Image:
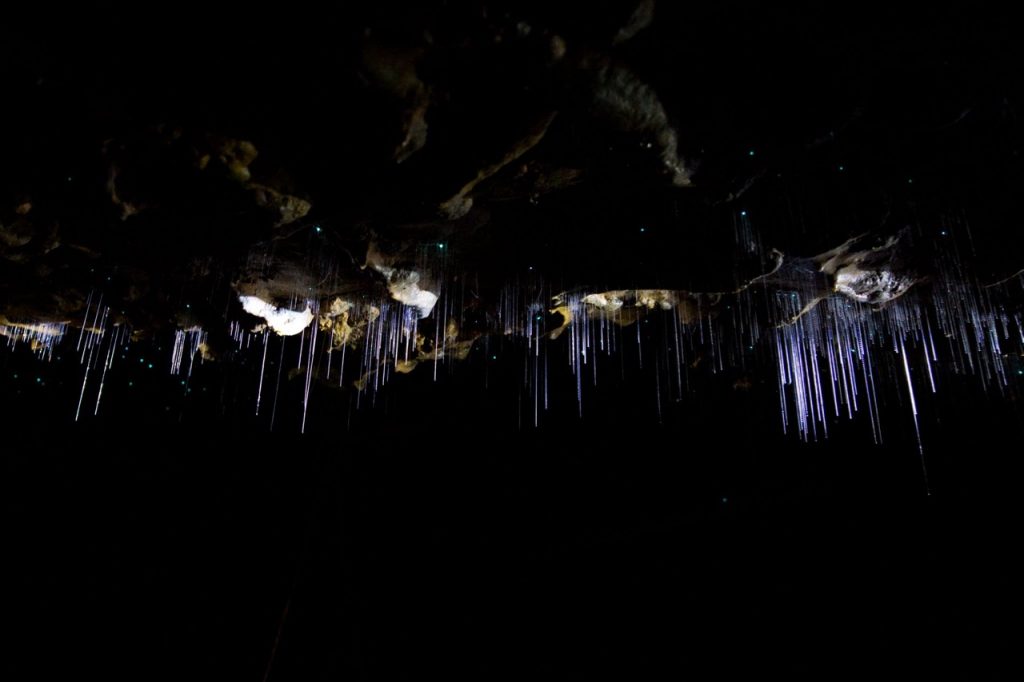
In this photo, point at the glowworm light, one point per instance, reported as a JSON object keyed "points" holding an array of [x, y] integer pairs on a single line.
{"points": [[833, 354]]}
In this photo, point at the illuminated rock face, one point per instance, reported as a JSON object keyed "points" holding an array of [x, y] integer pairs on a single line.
{"points": [[283, 321], [871, 286], [870, 272], [403, 286]]}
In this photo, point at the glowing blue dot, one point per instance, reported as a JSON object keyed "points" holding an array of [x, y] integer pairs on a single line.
{"points": [[538, 318], [743, 214], [182, 382], [440, 246], [842, 168], [725, 499], [188, 306], [910, 181], [530, 268], [150, 365], [130, 384], [643, 229], [15, 376], [494, 357], [750, 153], [318, 229], [39, 380], [943, 233]]}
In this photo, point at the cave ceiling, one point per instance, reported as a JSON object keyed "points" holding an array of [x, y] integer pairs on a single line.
{"points": [[207, 167]]}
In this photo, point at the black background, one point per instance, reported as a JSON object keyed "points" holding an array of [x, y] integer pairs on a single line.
{"points": [[429, 534]]}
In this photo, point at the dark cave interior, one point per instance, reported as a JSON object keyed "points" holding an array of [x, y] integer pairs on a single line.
{"points": [[750, 206]]}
